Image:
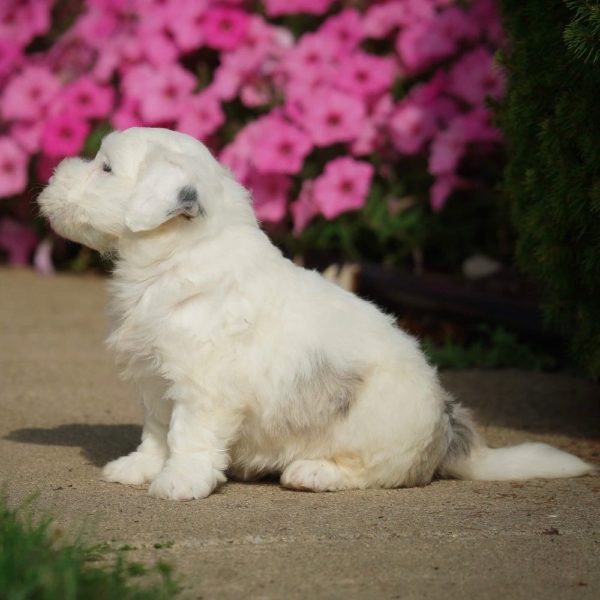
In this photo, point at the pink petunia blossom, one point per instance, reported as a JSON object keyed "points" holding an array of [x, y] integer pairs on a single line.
{"points": [[449, 146], [238, 154], [64, 135], [161, 92], [22, 21], [381, 19], [366, 75], [201, 116], [226, 82], [423, 44], [411, 126], [27, 95], [256, 91], [456, 24], [343, 186], [373, 134], [442, 188], [332, 117], [485, 13], [13, 168], [88, 99], [276, 8], [312, 60], [28, 134], [127, 114], [345, 28], [185, 22], [304, 209], [10, 57], [281, 147], [225, 27], [17, 240], [45, 166], [476, 76], [269, 195]]}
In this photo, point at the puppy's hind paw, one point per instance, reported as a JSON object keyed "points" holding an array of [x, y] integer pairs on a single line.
{"points": [[314, 476], [134, 469]]}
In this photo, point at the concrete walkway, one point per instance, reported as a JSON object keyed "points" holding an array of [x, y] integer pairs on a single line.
{"points": [[64, 413]]}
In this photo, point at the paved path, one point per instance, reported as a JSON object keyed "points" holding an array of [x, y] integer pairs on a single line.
{"points": [[64, 413]]}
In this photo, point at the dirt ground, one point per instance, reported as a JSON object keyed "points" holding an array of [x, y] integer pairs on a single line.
{"points": [[64, 413]]}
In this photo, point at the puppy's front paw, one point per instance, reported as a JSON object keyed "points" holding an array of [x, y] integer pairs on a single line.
{"points": [[134, 469], [184, 480]]}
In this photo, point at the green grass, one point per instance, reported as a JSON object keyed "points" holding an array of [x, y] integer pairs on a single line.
{"points": [[37, 563], [494, 349]]}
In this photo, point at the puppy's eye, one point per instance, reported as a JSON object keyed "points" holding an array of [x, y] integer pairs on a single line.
{"points": [[106, 168]]}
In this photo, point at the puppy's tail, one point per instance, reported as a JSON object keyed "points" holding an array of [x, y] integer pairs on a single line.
{"points": [[468, 457]]}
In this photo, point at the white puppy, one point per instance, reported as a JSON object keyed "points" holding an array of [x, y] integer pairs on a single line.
{"points": [[246, 362]]}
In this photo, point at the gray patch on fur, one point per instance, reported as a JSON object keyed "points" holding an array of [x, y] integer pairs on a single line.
{"points": [[319, 392], [187, 203], [462, 432]]}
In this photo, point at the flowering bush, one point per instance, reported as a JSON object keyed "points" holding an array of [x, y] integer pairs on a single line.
{"points": [[318, 106]]}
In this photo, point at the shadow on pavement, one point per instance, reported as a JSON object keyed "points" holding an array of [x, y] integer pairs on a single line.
{"points": [[537, 403], [99, 443]]}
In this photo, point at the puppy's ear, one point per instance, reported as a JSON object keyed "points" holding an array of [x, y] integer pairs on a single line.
{"points": [[166, 188]]}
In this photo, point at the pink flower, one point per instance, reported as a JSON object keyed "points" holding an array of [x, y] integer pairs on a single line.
{"points": [[45, 166], [276, 8], [13, 168], [201, 116], [256, 92], [449, 146], [456, 24], [312, 60], [161, 92], [441, 189], [476, 76], [127, 115], [10, 57], [28, 134], [366, 75], [381, 19], [280, 147], [304, 209], [411, 126], [226, 82], [87, 98], [238, 154], [332, 117], [17, 240], [345, 28], [27, 95], [269, 195], [423, 44], [485, 13], [64, 135], [225, 27], [24, 20], [343, 186], [372, 136], [185, 21]]}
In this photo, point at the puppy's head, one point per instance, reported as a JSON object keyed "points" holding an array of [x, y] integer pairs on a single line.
{"points": [[140, 180]]}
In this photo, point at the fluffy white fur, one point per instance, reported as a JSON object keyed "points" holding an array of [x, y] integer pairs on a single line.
{"points": [[245, 362]]}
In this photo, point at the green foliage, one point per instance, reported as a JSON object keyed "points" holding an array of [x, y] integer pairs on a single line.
{"points": [[582, 34], [552, 124], [36, 564], [497, 348]]}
